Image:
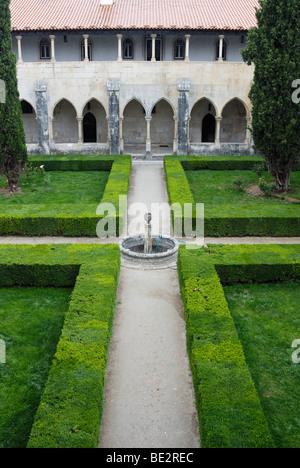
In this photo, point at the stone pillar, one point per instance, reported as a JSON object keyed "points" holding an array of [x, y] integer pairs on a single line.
{"points": [[218, 130], [19, 39], [42, 116], [80, 130], [187, 47], [121, 136], [119, 36], [113, 87], [175, 141], [183, 87], [221, 39], [148, 137], [52, 38], [153, 36], [51, 135], [248, 132], [86, 47]]}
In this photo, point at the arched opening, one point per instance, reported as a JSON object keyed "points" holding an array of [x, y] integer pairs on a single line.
{"points": [[94, 130], [29, 123], [65, 126], [134, 126], [203, 122], [162, 125], [234, 122], [128, 49], [208, 129], [45, 49], [179, 49], [89, 128]]}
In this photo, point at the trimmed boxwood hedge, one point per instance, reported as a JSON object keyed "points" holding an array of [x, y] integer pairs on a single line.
{"points": [[224, 223], [70, 220], [70, 411], [230, 413]]}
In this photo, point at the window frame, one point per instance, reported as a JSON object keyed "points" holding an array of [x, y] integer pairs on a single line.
{"points": [[45, 45], [128, 39], [176, 45]]}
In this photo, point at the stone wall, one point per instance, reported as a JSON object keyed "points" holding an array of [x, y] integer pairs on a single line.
{"points": [[149, 83]]}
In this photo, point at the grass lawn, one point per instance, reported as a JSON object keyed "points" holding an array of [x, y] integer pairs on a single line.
{"points": [[267, 319], [216, 190], [63, 188], [31, 321]]}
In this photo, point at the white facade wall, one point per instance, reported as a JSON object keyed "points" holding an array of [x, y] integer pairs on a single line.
{"points": [[72, 84]]}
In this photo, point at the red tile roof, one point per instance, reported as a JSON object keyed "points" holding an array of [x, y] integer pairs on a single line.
{"points": [[133, 14]]}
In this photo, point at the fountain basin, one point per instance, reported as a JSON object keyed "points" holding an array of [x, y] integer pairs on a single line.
{"points": [[163, 247]]}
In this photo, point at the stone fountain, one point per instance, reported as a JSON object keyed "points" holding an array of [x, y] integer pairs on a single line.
{"points": [[149, 250]]}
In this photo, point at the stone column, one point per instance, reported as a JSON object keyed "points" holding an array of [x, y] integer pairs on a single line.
{"points": [[121, 136], [175, 141], [80, 130], [218, 130], [221, 39], [183, 87], [19, 39], [119, 36], [153, 36], [86, 47], [42, 116], [51, 135], [52, 38], [248, 132], [113, 88], [148, 137], [187, 47]]}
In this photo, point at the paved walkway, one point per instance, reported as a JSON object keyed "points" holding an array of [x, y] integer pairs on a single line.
{"points": [[149, 397]]}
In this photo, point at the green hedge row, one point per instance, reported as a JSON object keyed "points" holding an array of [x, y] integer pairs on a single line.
{"points": [[226, 223], [222, 163], [71, 220], [70, 411], [230, 413], [60, 162]]}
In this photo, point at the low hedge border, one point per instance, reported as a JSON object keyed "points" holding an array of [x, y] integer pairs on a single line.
{"points": [[225, 223], [230, 413], [70, 220], [70, 411]]}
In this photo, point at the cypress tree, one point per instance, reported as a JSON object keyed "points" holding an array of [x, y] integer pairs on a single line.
{"points": [[274, 48], [13, 152]]}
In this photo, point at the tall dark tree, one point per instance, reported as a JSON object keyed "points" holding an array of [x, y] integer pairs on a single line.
{"points": [[13, 152], [274, 48]]}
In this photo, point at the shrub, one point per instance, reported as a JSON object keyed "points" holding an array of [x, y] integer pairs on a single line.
{"points": [[266, 187], [70, 411], [238, 183], [230, 413]]}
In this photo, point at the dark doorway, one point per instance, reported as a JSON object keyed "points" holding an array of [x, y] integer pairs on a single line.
{"points": [[89, 128], [208, 129]]}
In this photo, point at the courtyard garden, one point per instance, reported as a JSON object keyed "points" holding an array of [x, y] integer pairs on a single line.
{"points": [[241, 310], [59, 195], [57, 307], [238, 194]]}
